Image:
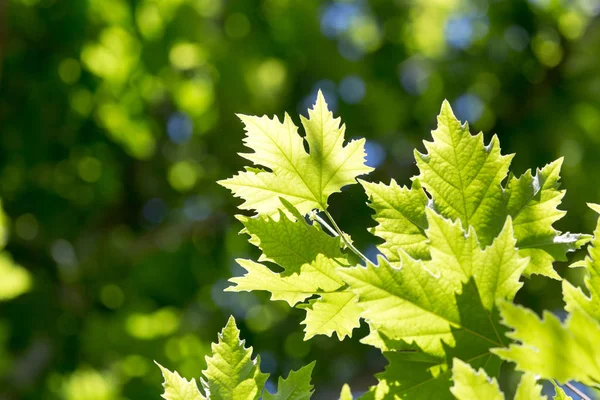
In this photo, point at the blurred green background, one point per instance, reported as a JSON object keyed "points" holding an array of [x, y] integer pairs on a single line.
{"points": [[117, 117]]}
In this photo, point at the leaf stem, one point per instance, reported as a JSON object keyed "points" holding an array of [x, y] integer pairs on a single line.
{"points": [[348, 243], [325, 224], [578, 392]]}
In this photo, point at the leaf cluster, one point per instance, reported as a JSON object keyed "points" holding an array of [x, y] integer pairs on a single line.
{"points": [[438, 300]]}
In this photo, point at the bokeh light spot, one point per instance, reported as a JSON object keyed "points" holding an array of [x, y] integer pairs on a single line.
{"points": [[179, 127], [90, 169], [468, 107], [194, 96], [186, 56], [183, 175], [295, 346], [154, 210], [516, 37], [547, 49], [26, 226], [237, 26], [459, 31], [414, 75], [69, 70], [352, 89], [112, 296]]}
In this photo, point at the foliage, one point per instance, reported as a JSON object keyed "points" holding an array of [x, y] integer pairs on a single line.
{"points": [[463, 246], [117, 116], [232, 374], [558, 351]]}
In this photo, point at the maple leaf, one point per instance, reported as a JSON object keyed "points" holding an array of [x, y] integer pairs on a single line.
{"points": [[309, 258], [470, 384], [231, 373], [296, 386], [400, 213], [561, 351], [552, 350], [575, 299], [178, 388], [346, 393], [532, 202], [332, 312], [304, 179], [463, 176], [440, 308]]}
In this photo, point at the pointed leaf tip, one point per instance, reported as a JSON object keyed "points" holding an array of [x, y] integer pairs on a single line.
{"points": [[594, 206]]}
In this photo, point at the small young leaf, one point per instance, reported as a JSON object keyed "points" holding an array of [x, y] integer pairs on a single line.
{"points": [[346, 393], [470, 385], [560, 393], [463, 175], [533, 202], [231, 372], [529, 388], [296, 386], [178, 388]]}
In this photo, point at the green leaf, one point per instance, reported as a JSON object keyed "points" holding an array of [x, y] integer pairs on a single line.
{"points": [[470, 384], [309, 258], [437, 309], [463, 175], [291, 289], [412, 375], [427, 302], [555, 350], [575, 299], [560, 393], [231, 373], [400, 214], [296, 386], [306, 181], [299, 248], [337, 312], [552, 350], [346, 393], [178, 388], [533, 202], [529, 388]]}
